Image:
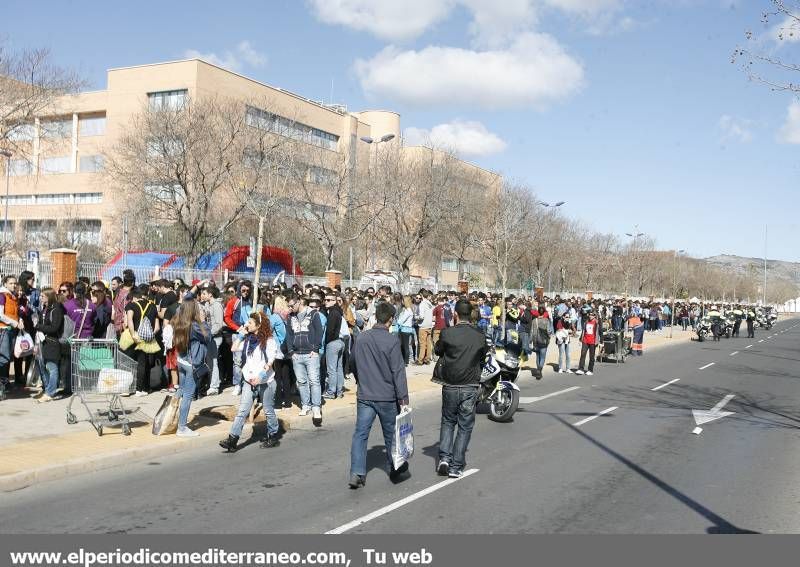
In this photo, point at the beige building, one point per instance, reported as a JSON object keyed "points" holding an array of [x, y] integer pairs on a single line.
{"points": [[57, 192]]}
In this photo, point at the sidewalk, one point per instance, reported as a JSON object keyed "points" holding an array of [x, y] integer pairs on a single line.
{"points": [[37, 445]]}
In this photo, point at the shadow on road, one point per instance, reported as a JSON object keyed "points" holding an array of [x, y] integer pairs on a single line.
{"points": [[721, 525]]}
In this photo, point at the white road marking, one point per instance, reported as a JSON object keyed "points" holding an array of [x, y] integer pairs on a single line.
{"points": [[734, 353], [707, 365], [664, 385], [697, 430], [748, 346], [588, 419], [761, 341], [400, 503], [540, 398]]}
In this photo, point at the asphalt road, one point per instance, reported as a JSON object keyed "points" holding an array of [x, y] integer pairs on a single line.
{"points": [[638, 468]]}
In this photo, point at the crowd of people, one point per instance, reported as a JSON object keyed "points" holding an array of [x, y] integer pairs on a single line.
{"points": [[278, 344]]}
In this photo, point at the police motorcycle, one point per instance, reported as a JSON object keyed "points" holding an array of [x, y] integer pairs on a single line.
{"points": [[772, 316], [703, 328], [727, 325], [499, 375]]}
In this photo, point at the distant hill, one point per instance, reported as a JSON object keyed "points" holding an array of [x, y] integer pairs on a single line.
{"points": [[752, 266]]}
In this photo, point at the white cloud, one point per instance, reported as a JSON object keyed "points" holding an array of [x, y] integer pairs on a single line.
{"points": [[243, 55], [585, 8], [468, 138], [493, 21], [388, 19], [790, 131], [533, 71], [787, 31], [736, 129]]}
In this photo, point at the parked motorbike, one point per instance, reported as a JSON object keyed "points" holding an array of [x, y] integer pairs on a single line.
{"points": [[728, 324], [703, 328], [498, 385]]}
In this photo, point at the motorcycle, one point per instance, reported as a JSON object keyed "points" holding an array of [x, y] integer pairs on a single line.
{"points": [[728, 325], [703, 328], [498, 380]]}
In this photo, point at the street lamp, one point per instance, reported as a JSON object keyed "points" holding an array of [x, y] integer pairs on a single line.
{"points": [[672, 310], [553, 206], [635, 235], [369, 140], [7, 154]]}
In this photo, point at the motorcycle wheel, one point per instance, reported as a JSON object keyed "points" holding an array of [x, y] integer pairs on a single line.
{"points": [[701, 337], [503, 408]]}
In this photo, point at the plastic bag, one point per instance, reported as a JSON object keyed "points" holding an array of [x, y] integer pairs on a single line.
{"points": [[114, 381], [403, 446], [23, 346], [166, 420]]}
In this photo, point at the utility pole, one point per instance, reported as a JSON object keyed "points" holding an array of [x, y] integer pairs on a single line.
{"points": [[765, 265]]}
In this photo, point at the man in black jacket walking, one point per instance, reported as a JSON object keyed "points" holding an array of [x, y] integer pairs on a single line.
{"points": [[463, 348]]}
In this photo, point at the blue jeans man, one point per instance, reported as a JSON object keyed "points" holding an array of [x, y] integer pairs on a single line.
{"points": [[458, 419], [366, 412], [333, 362], [306, 371]]}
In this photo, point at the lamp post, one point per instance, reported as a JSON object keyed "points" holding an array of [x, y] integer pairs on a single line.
{"points": [[672, 310], [373, 142], [635, 235], [553, 206], [6, 154]]}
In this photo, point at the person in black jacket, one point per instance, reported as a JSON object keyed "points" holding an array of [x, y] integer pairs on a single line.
{"points": [[463, 351], [334, 349], [51, 325]]}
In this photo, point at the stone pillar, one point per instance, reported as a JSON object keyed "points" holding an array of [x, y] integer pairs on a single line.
{"points": [[539, 292], [65, 265], [334, 278], [463, 287]]}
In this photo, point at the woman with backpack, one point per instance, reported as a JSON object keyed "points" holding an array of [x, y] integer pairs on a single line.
{"points": [[138, 338], [259, 351], [51, 325], [191, 336]]}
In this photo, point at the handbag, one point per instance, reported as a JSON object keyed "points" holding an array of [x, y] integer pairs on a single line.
{"points": [[126, 339], [403, 446]]}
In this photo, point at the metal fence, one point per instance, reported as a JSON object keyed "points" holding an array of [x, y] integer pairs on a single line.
{"points": [[42, 270]]}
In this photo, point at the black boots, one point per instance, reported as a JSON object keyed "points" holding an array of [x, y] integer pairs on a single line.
{"points": [[230, 443], [269, 442]]}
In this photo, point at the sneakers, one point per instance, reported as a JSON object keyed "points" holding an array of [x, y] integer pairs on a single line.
{"points": [[186, 432], [356, 481], [237, 390], [443, 468], [212, 392], [140, 394], [455, 473], [569, 371], [328, 396], [316, 416], [590, 373], [172, 390], [579, 372], [562, 371], [304, 411], [44, 398]]}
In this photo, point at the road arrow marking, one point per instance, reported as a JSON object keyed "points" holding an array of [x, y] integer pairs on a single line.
{"points": [[707, 365], [664, 385], [588, 419], [703, 416], [748, 346], [540, 398]]}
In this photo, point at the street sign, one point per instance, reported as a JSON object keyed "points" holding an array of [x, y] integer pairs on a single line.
{"points": [[251, 262], [32, 255]]}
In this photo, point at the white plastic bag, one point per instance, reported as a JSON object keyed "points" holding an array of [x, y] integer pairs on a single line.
{"points": [[403, 447], [114, 381], [23, 346]]}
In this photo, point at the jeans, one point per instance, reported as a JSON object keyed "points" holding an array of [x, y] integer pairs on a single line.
{"points": [[525, 342], [49, 374], [563, 356], [497, 335], [237, 368], [684, 322], [458, 408], [306, 371], [541, 356], [6, 350], [265, 392], [213, 354], [366, 412], [186, 390], [591, 349], [333, 362]]}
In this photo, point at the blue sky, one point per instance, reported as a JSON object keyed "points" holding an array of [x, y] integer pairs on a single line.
{"points": [[630, 111]]}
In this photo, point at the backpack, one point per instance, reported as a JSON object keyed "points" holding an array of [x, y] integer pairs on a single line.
{"points": [[145, 329]]}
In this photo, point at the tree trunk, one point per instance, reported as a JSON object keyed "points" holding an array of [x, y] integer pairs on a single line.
{"points": [[259, 246]]}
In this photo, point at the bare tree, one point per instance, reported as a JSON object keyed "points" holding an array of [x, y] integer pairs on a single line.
{"points": [[181, 166], [416, 185]]}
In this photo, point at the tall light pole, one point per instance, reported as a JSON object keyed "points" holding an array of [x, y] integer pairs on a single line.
{"points": [[635, 236], [7, 154], [552, 206], [765, 263], [373, 142], [674, 272]]}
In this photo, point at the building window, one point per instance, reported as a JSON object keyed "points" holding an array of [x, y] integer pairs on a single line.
{"points": [[84, 231], [22, 133], [59, 164], [19, 167], [92, 126], [39, 231], [168, 100], [61, 128], [54, 199], [15, 200], [321, 175], [87, 198], [282, 126], [449, 265], [92, 164]]}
